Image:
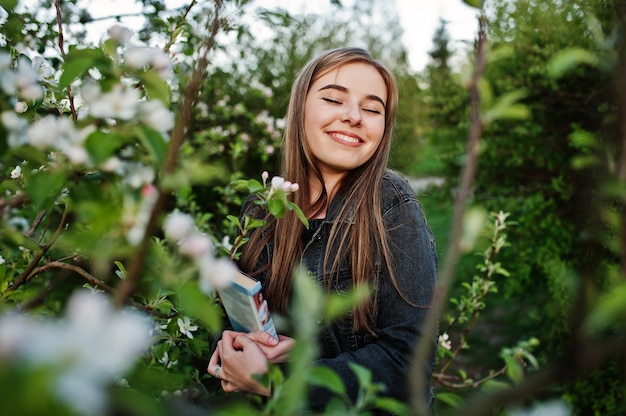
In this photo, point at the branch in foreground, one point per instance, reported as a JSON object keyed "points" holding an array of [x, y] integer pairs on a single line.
{"points": [[585, 356], [422, 351], [127, 286]]}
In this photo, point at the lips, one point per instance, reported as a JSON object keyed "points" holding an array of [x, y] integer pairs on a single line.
{"points": [[345, 138]]}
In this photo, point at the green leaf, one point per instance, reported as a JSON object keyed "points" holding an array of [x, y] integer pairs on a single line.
{"points": [[255, 186], [478, 4], [507, 107], [44, 187], [362, 374], [513, 369], [451, 399], [569, 58], [392, 406], [101, 145], [8, 4], [327, 378], [77, 63], [196, 305], [154, 142], [609, 310], [235, 220], [156, 87], [337, 305], [295, 208], [494, 385], [276, 208]]}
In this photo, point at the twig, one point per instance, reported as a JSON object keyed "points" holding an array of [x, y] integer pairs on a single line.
{"points": [[476, 299], [36, 223], [443, 379], [90, 278], [175, 34], [190, 98], [70, 96], [25, 276], [585, 357], [424, 347]]}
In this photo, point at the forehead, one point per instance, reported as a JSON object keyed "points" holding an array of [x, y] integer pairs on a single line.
{"points": [[357, 77]]}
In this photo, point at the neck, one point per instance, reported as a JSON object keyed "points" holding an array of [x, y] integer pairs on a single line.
{"points": [[331, 185]]}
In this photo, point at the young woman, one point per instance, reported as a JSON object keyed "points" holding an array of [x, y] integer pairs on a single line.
{"points": [[366, 228]]}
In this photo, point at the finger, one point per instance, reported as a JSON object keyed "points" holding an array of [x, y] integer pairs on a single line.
{"points": [[213, 362], [262, 337], [227, 386]]}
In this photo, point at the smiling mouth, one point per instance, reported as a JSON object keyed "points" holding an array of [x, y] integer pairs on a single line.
{"points": [[345, 138]]}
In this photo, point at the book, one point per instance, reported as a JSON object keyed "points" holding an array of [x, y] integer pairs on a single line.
{"points": [[245, 306]]}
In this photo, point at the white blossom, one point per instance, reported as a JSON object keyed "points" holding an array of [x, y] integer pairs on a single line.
{"points": [[140, 57], [16, 126], [112, 164], [138, 174], [184, 324], [89, 349], [155, 115], [178, 225], [165, 360], [16, 173], [120, 103], [20, 107], [140, 221], [27, 80], [2, 260]]}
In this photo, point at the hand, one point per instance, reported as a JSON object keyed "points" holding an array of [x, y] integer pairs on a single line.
{"points": [[240, 359], [275, 350]]}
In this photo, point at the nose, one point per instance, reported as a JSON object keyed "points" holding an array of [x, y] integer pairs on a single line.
{"points": [[352, 114]]}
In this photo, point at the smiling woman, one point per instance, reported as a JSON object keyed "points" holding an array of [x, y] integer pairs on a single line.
{"points": [[344, 120], [367, 230]]}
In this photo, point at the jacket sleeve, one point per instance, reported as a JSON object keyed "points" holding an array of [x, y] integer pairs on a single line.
{"points": [[400, 317]]}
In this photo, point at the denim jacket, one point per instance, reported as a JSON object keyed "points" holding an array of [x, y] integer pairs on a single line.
{"points": [[397, 324]]}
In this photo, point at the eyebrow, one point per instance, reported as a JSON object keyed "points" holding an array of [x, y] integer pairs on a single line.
{"points": [[344, 89]]}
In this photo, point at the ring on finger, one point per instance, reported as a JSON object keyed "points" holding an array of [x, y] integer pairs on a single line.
{"points": [[217, 370]]}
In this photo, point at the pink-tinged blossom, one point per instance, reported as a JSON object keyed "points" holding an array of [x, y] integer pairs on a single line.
{"points": [[286, 186], [444, 341], [277, 182], [120, 34], [214, 273], [196, 245], [265, 175], [294, 187]]}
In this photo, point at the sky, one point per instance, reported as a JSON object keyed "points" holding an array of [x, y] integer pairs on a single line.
{"points": [[419, 19]]}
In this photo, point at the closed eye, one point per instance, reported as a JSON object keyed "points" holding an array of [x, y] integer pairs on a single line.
{"points": [[330, 100], [371, 110]]}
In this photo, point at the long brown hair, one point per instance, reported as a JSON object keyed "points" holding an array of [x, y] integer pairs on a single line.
{"points": [[358, 231]]}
